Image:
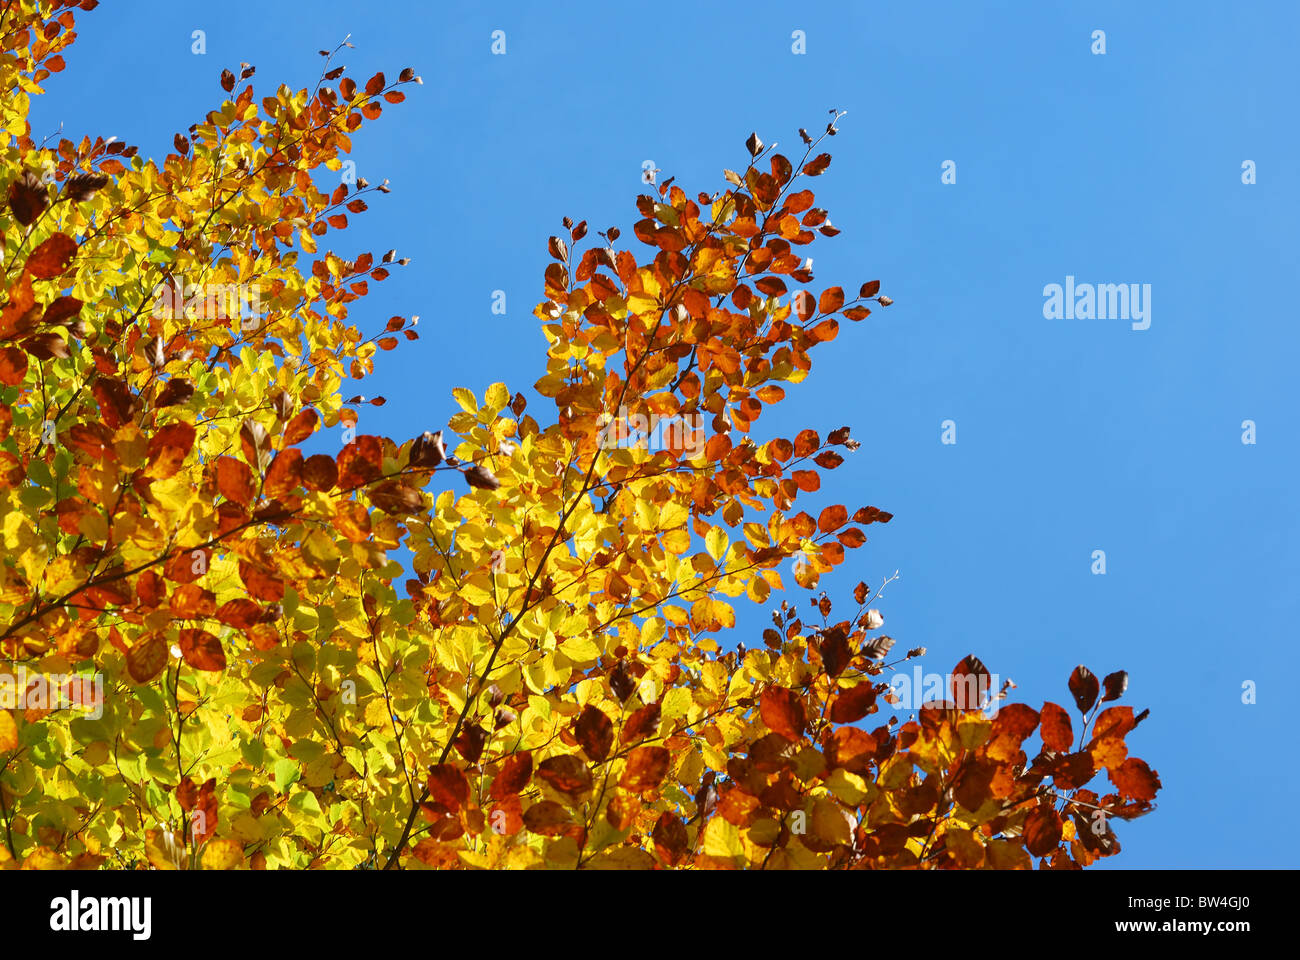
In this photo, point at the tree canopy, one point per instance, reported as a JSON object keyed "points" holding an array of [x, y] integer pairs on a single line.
{"points": [[498, 644]]}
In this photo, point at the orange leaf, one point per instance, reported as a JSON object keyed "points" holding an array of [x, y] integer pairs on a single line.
{"points": [[831, 300], [514, 775], [646, 767], [1057, 732], [51, 258], [202, 650], [235, 480], [448, 786], [832, 518], [146, 659], [1135, 779]]}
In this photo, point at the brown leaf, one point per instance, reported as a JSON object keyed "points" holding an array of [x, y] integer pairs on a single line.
{"points": [[1084, 687], [428, 450], [783, 712], [804, 305], [670, 838], [473, 738], [547, 818], [28, 198], [176, 390], [360, 461], [1115, 684], [255, 444], [567, 774], [319, 472], [168, 448], [817, 165], [1042, 830], [239, 613], [285, 473], [851, 705], [83, 186], [261, 584], [641, 724], [878, 647], [13, 366], [621, 681], [397, 498], [481, 477], [970, 683], [836, 652], [594, 732], [46, 346]]}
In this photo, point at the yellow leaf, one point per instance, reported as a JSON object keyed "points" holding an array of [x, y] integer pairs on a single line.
{"points": [[676, 703], [466, 400], [8, 732], [722, 839], [222, 854], [580, 649], [497, 397], [623, 858], [43, 858]]}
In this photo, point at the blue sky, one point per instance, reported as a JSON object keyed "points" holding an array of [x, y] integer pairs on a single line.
{"points": [[1072, 435]]}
